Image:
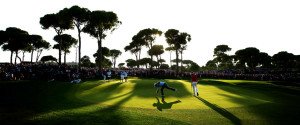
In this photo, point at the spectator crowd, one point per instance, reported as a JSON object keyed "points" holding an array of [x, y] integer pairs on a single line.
{"points": [[48, 72]]}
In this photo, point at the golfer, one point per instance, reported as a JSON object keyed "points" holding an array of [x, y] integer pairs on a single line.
{"points": [[194, 84], [162, 85]]}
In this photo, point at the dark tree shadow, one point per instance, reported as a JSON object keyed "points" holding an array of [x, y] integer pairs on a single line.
{"points": [[235, 120], [164, 105]]}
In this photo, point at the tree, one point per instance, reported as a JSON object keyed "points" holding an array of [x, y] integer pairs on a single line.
{"points": [[121, 65], [3, 37], [16, 39], [181, 49], [223, 60], [160, 61], [264, 60], [249, 56], [28, 48], [170, 49], [176, 39], [297, 62], [99, 22], [85, 61], [145, 62], [210, 65], [284, 60], [38, 44], [135, 47], [59, 22], [114, 54], [148, 37], [65, 42], [104, 61], [48, 58], [221, 49], [194, 67], [131, 63], [156, 50], [164, 66], [188, 63], [79, 17]]}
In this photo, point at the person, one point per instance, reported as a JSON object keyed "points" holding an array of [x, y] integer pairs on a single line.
{"points": [[108, 75], [194, 84], [125, 76], [122, 75], [76, 79], [104, 75], [162, 85]]}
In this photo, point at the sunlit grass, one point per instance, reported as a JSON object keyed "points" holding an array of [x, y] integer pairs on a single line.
{"points": [[135, 102]]}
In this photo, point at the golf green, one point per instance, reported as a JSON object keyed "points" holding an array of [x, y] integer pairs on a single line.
{"points": [[136, 102], [141, 94]]}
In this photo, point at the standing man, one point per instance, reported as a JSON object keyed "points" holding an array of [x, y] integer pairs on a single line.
{"points": [[122, 76], [194, 84], [108, 75], [125, 76]]}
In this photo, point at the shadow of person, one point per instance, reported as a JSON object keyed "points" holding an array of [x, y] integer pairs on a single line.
{"points": [[164, 105], [235, 120]]}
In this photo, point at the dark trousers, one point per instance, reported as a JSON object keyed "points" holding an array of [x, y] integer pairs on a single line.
{"points": [[167, 87]]}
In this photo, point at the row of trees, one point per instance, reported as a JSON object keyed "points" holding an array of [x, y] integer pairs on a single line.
{"points": [[251, 57], [16, 40], [176, 40], [96, 23]]}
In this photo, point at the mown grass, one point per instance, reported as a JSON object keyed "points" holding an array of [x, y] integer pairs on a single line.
{"points": [[135, 102]]}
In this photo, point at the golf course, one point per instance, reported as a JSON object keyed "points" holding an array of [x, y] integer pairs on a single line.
{"points": [[136, 102]]}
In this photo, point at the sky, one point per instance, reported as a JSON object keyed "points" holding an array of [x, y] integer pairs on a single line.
{"points": [[269, 25]]}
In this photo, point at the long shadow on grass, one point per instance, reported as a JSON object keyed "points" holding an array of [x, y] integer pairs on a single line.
{"points": [[25, 99], [272, 103], [91, 114], [235, 120], [164, 105]]}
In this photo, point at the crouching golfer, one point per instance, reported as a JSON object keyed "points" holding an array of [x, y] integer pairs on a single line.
{"points": [[162, 86]]}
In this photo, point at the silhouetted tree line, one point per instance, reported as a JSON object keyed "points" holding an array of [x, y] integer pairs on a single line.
{"points": [[251, 59], [98, 24]]}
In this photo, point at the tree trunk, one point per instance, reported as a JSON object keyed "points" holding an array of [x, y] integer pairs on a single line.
{"points": [[151, 64], [139, 59], [177, 68], [113, 60], [16, 52], [160, 59], [59, 32], [79, 47], [17, 56], [181, 62], [100, 50], [170, 59], [11, 56], [31, 56], [38, 54], [23, 55], [59, 54], [65, 57]]}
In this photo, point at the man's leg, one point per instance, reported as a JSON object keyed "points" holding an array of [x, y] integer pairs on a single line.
{"points": [[162, 91], [166, 86], [195, 89]]}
